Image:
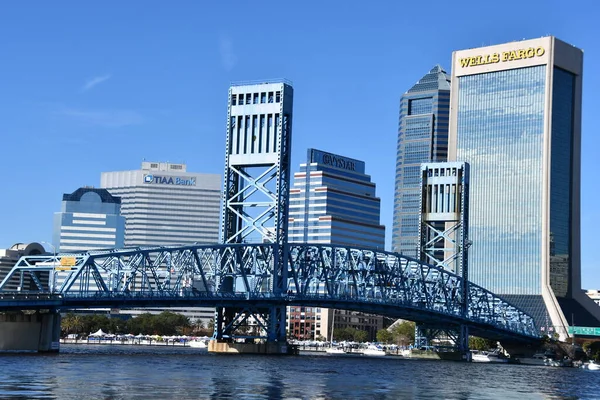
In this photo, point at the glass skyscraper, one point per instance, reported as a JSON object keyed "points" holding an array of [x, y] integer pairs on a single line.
{"points": [[422, 137], [90, 219], [516, 118]]}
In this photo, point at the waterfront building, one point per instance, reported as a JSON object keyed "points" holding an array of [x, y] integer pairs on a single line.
{"points": [[516, 119], [165, 205], [422, 137], [9, 257], [90, 219], [333, 201]]}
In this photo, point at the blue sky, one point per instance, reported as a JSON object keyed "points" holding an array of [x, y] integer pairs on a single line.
{"points": [[86, 88]]}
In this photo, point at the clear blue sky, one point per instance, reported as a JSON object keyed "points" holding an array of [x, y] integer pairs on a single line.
{"points": [[86, 88]]}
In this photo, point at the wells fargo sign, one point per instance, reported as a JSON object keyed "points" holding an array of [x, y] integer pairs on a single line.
{"points": [[502, 57]]}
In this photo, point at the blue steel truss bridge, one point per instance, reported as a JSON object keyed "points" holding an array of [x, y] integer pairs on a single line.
{"points": [[240, 276]]}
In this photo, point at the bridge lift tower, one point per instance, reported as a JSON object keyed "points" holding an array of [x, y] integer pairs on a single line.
{"points": [[255, 204], [444, 239]]}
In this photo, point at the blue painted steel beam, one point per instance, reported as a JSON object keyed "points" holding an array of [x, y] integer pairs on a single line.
{"points": [[240, 276]]}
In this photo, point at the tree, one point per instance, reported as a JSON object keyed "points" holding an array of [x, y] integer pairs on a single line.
{"points": [[404, 333], [478, 343], [360, 336], [384, 336]]}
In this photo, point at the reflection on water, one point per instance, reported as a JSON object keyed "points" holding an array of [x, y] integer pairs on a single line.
{"points": [[132, 372]]}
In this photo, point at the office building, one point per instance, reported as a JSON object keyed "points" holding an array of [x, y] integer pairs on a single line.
{"points": [[333, 201], [90, 219], [516, 119], [422, 137], [165, 205], [9, 257]]}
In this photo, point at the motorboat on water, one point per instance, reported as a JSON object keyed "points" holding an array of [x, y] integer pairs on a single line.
{"points": [[335, 350], [565, 362], [485, 356], [592, 366], [536, 359], [199, 344], [372, 350]]}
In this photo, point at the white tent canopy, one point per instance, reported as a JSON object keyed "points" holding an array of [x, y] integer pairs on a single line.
{"points": [[99, 333]]}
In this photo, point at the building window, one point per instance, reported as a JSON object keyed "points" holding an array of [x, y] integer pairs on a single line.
{"points": [[241, 99], [255, 100], [270, 97], [277, 97], [263, 97], [233, 99]]}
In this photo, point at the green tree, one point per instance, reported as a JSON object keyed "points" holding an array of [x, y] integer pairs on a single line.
{"points": [[360, 336], [343, 334], [384, 336], [404, 333], [478, 343]]}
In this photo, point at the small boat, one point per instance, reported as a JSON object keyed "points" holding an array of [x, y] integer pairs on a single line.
{"points": [[335, 350], [199, 344], [592, 366], [372, 350], [565, 362], [536, 359], [484, 356]]}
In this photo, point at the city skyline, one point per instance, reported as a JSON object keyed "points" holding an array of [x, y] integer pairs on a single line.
{"points": [[94, 115]]}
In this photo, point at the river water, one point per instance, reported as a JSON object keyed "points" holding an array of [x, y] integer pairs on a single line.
{"points": [[151, 372]]}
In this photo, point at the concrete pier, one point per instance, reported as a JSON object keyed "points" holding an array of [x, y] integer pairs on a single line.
{"points": [[250, 348], [35, 332]]}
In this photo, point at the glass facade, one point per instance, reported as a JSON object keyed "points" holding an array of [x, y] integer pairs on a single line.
{"points": [[500, 128], [561, 185], [422, 137], [90, 219]]}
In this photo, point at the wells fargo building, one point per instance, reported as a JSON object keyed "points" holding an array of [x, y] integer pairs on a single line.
{"points": [[516, 118]]}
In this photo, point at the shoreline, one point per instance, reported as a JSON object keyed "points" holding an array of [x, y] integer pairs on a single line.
{"points": [[135, 342]]}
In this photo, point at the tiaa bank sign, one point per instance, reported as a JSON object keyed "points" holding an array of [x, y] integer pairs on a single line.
{"points": [[169, 180]]}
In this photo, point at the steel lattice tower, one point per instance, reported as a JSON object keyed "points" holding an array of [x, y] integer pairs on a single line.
{"points": [[256, 192], [444, 232]]}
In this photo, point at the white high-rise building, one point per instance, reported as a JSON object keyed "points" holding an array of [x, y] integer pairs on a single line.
{"points": [[164, 204]]}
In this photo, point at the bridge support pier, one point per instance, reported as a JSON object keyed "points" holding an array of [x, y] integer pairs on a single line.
{"points": [[30, 332], [262, 328], [270, 348]]}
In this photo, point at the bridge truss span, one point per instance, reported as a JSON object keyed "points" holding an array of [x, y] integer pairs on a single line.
{"points": [[240, 275]]}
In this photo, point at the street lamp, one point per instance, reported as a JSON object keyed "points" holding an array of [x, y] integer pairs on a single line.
{"points": [[52, 278]]}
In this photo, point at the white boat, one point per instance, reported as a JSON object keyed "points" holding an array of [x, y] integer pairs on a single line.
{"points": [[335, 350], [372, 350], [593, 366], [200, 344], [536, 359], [484, 356]]}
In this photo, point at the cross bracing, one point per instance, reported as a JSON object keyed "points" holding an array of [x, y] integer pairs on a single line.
{"points": [[240, 276]]}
